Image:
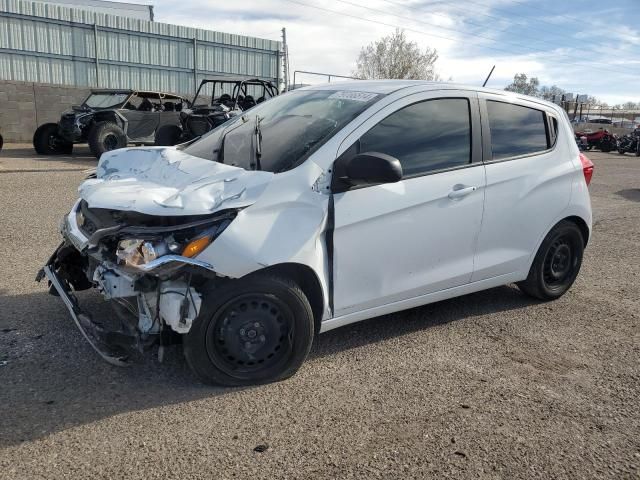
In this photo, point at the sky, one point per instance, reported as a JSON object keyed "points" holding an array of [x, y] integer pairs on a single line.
{"points": [[590, 47]]}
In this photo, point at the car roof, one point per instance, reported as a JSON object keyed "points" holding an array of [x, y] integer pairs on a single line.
{"points": [[389, 86]]}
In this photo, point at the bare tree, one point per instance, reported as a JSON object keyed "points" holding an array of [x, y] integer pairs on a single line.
{"points": [[521, 84], [394, 56]]}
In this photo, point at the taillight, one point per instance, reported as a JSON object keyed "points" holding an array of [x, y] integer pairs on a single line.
{"points": [[587, 168]]}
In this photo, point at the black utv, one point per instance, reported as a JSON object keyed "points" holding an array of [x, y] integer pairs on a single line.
{"points": [[230, 96], [110, 119]]}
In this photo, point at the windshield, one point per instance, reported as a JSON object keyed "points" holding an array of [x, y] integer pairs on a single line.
{"points": [[106, 100], [292, 126]]}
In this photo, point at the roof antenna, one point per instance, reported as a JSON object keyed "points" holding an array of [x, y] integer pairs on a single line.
{"points": [[488, 76]]}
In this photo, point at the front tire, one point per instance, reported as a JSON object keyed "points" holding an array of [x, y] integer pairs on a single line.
{"points": [[46, 141], [556, 264], [106, 136], [168, 135], [254, 330]]}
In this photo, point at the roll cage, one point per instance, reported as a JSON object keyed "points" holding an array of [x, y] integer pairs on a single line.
{"points": [[131, 98], [239, 90]]}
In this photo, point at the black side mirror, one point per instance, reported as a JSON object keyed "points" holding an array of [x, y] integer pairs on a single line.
{"points": [[367, 168]]}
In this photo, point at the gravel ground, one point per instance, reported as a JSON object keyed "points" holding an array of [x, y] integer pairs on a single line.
{"points": [[490, 385]]}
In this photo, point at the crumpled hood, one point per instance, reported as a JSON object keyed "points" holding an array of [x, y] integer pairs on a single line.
{"points": [[166, 181]]}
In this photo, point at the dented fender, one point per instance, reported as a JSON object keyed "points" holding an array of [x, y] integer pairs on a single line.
{"points": [[286, 225]]}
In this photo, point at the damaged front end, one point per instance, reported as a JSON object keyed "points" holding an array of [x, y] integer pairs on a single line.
{"points": [[144, 265]]}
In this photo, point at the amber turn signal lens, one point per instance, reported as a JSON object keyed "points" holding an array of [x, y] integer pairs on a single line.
{"points": [[196, 246]]}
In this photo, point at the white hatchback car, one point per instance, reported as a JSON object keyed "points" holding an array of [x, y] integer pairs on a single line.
{"points": [[319, 208]]}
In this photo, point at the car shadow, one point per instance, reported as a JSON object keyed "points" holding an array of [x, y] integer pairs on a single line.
{"points": [[52, 380], [80, 151]]}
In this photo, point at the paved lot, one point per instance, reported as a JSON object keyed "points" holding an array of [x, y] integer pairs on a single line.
{"points": [[490, 385]]}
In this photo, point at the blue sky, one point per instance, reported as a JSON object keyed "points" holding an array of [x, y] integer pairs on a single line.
{"points": [[588, 47]]}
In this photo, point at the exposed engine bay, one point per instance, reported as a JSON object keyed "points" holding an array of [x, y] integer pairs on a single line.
{"points": [[142, 265]]}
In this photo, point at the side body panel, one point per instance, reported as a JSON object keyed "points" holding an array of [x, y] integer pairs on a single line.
{"points": [[524, 197], [406, 239]]}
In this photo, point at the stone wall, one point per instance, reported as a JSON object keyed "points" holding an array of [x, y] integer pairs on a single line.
{"points": [[24, 106]]}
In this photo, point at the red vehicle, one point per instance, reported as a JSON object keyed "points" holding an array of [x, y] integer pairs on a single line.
{"points": [[602, 140]]}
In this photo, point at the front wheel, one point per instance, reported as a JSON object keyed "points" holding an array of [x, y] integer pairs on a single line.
{"points": [[254, 330], [556, 264], [46, 141], [168, 135], [106, 136]]}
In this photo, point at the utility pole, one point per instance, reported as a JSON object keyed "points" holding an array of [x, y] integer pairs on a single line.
{"points": [[285, 59]]}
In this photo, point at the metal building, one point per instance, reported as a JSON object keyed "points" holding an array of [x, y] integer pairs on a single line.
{"points": [[141, 11], [47, 43]]}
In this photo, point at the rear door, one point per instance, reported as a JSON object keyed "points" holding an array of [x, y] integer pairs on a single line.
{"points": [[528, 183], [141, 122], [402, 240]]}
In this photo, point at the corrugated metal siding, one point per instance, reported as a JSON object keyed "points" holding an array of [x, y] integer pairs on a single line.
{"points": [[50, 43]]}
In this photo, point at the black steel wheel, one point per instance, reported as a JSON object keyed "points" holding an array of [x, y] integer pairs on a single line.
{"points": [[556, 264], [251, 332], [254, 330]]}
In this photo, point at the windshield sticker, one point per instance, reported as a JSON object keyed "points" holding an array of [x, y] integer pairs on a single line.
{"points": [[355, 96]]}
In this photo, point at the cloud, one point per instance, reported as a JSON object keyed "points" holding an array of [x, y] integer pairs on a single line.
{"points": [[470, 37]]}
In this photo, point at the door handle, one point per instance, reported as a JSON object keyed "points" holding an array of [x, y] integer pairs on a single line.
{"points": [[460, 191]]}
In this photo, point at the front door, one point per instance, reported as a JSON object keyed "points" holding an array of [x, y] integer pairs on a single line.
{"points": [[398, 241]]}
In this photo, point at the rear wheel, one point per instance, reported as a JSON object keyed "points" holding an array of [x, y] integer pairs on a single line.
{"points": [[168, 135], [254, 330], [556, 264], [46, 141], [106, 136]]}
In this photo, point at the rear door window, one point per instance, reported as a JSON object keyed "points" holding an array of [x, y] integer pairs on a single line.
{"points": [[516, 130]]}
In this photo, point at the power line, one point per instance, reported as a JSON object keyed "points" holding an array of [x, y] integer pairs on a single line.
{"points": [[509, 52], [574, 19], [476, 12], [589, 62]]}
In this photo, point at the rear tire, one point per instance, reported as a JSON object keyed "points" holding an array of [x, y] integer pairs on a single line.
{"points": [[106, 136], [168, 135], [556, 264], [46, 141], [254, 330]]}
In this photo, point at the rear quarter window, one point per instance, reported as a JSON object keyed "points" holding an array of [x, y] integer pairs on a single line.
{"points": [[516, 130]]}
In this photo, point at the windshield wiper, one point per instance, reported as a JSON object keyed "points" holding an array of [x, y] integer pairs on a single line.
{"points": [[258, 143]]}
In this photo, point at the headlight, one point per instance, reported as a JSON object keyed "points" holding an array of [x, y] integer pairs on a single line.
{"points": [[136, 252]]}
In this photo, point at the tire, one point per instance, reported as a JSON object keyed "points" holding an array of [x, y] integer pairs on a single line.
{"points": [[254, 330], [605, 147], [168, 135], [46, 141], [638, 149], [556, 264], [106, 136], [621, 151]]}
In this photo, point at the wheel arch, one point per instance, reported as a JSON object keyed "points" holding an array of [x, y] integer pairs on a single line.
{"points": [[110, 116], [307, 280], [582, 225]]}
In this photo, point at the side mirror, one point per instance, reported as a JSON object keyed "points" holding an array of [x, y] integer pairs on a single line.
{"points": [[367, 168]]}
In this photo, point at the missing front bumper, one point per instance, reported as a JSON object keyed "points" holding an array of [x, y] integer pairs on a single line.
{"points": [[91, 331]]}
